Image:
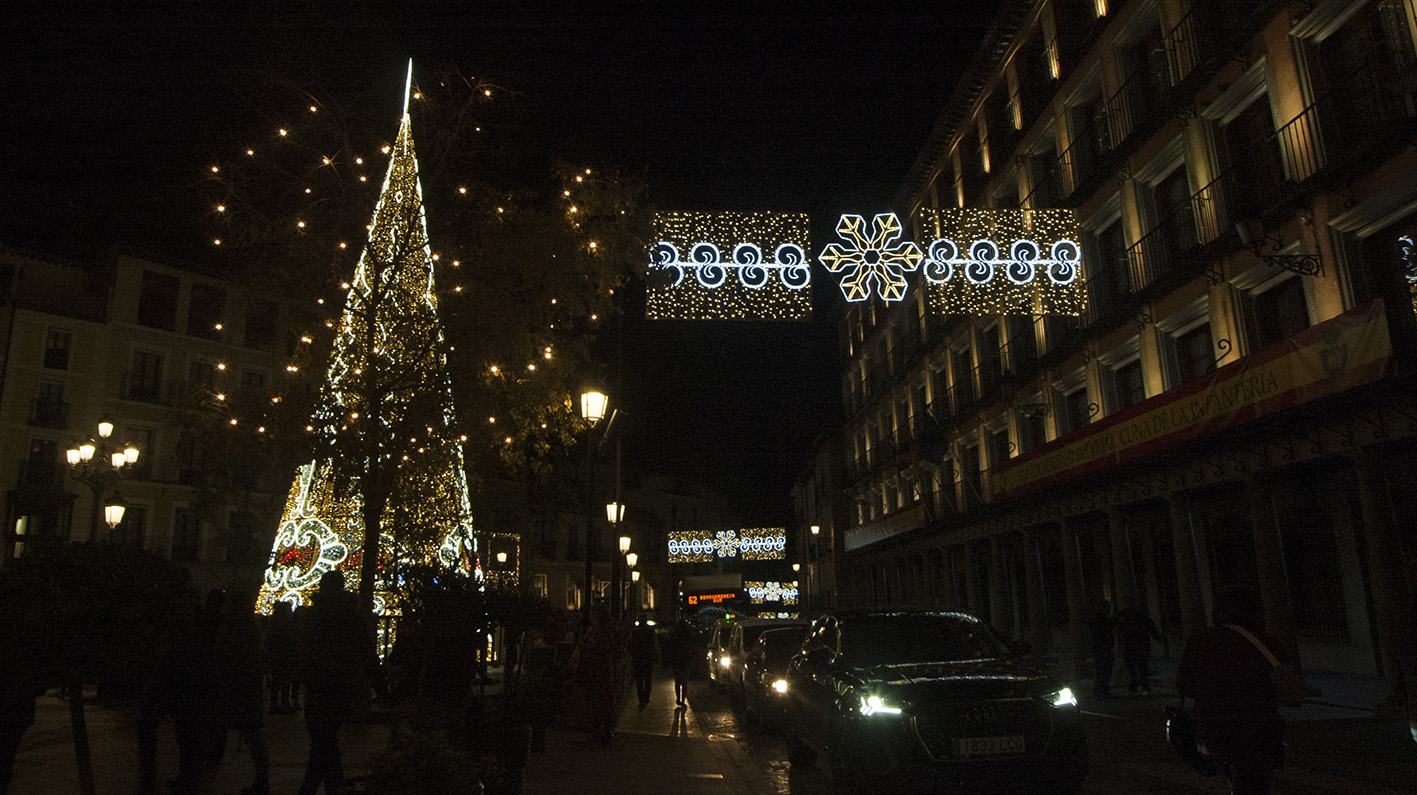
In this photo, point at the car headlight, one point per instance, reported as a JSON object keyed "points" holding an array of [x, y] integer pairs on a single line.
{"points": [[875, 705], [780, 686], [725, 661], [1065, 698]]}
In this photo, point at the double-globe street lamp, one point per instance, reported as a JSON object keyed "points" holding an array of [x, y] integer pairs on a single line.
{"points": [[98, 464]]}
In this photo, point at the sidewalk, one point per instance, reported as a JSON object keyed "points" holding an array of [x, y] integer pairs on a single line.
{"points": [[657, 750]]}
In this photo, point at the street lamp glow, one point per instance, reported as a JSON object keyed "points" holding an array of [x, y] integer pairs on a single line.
{"points": [[816, 528], [635, 576], [113, 514], [631, 559], [86, 451], [118, 460], [72, 455], [797, 567], [105, 428], [501, 557], [593, 405], [624, 544], [130, 453], [614, 512]]}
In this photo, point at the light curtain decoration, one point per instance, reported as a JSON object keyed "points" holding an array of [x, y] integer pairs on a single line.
{"points": [[729, 266], [754, 543], [993, 262]]}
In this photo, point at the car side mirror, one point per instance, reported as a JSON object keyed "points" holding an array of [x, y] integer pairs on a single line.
{"points": [[1020, 648], [821, 657]]}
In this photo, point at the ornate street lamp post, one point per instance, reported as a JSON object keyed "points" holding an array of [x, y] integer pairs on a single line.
{"points": [[593, 405], [98, 464]]}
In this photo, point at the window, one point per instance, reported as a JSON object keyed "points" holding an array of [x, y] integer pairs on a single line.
{"points": [[1194, 353], [186, 535], [253, 384], [142, 438], [573, 594], [157, 302], [205, 310], [50, 410], [42, 466], [1251, 161], [260, 324], [132, 531], [1077, 409], [201, 375], [1000, 448], [144, 381], [1107, 279], [1128, 384], [1031, 426], [1278, 312], [962, 389], [539, 586], [241, 539], [56, 349], [969, 471]]}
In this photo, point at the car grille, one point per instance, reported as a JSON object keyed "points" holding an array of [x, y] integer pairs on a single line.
{"points": [[938, 727]]}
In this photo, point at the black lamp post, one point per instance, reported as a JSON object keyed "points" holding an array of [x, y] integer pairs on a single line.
{"points": [[593, 404], [98, 464]]}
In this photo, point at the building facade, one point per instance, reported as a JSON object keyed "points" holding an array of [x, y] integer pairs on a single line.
{"points": [[144, 346], [1235, 402]]}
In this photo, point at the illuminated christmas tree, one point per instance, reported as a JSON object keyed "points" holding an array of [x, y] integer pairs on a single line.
{"points": [[387, 486]]}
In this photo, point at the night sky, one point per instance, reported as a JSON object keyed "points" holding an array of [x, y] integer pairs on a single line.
{"points": [[790, 107]]}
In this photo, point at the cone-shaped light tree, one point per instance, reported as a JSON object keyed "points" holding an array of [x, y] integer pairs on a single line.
{"points": [[387, 484]]}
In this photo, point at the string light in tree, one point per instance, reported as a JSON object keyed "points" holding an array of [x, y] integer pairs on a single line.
{"points": [[730, 266]]}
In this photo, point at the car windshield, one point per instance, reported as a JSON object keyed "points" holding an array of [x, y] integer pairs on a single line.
{"points": [[751, 634], [906, 638], [781, 644]]}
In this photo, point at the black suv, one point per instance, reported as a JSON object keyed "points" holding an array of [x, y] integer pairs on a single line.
{"points": [[913, 696]]}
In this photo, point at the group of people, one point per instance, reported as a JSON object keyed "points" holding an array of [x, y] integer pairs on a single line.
{"points": [[211, 679], [1132, 630], [1222, 668], [602, 649]]}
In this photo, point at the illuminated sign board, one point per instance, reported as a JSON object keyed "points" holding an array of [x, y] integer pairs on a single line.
{"points": [[729, 266], [702, 546], [712, 598]]}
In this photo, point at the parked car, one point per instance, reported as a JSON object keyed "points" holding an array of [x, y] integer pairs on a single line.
{"points": [[717, 652], [740, 641], [890, 696], [765, 672]]}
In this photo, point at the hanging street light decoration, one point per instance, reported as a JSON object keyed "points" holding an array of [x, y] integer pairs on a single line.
{"points": [[729, 266], [992, 262], [702, 546]]}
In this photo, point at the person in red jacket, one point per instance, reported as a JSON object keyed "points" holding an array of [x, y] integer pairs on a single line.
{"points": [[1237, 714]]}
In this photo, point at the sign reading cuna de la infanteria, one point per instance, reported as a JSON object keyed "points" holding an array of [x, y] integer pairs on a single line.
{"points": [[1348, 351]]}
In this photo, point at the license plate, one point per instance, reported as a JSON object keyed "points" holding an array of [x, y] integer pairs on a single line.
{"points": [[989, 746]]}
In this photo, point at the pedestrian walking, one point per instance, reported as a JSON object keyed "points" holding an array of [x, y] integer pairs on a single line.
{"points": [[601, 652], [642, 657], [1102, 642], [191, 695], [338, 664], [1237, 714], [239, 663], [1135, 632], [281, 656], [679, 656]]}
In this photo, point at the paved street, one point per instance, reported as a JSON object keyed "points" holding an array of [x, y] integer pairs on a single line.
{"points": [[707, 751]]}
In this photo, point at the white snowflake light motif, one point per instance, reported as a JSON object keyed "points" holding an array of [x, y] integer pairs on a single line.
{"points": [[876, 257], [764, 592], [725, 544]]}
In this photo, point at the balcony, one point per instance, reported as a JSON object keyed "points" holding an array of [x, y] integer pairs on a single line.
{"points": [[1108, 290], [49, 413], [1174, 241]]}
